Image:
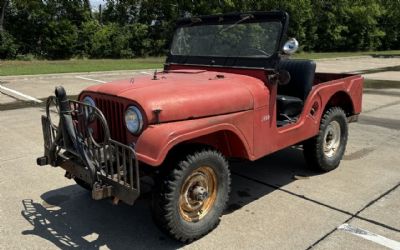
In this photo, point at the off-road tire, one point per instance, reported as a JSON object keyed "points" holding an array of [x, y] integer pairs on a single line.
{"points": [[166, 196], [83, 184], [313, 149]]}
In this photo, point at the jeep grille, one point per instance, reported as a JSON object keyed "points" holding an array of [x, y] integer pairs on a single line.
{"points": [[114, 113]]}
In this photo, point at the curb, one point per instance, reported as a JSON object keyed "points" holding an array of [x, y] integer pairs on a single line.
{"points": [[342, 58], [110, 72]]}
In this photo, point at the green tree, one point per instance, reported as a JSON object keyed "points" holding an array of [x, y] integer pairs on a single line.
{"points": [[390, 24], [86, 38], [65, 28], [8, 46], [46, 28], [363, 31], [59, 39], [348, 25], [3, 7], [109, 41]]}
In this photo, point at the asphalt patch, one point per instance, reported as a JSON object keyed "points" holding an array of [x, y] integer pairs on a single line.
{"points": [[379, 70], [358, 154], [380, 122], [383, 106], [28, 104], [381, 84]]}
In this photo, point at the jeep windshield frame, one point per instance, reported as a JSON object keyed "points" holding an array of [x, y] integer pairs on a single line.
{"points": [[210, 55]]}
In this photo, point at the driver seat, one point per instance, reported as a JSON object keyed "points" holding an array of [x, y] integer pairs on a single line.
{"points": [[291, 97]]}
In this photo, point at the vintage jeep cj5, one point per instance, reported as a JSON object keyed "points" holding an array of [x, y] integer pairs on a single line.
{"points": [[227, 90]]}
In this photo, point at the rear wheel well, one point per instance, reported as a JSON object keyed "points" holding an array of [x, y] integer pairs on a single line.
{"points": [[341, 99]]}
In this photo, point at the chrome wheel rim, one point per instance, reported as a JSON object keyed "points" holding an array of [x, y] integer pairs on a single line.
{"points": [[332, 138], [198, 194]]}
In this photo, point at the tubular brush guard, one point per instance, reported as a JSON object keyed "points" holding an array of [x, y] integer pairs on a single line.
{"points": [[81, 144]]}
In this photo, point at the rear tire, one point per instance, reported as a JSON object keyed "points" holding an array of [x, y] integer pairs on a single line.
{"points": [[325, 151], [189, 200]]}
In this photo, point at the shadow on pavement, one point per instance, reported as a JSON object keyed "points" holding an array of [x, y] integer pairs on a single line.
{"points": [[276, 170], [69, 218], [395, 55]]}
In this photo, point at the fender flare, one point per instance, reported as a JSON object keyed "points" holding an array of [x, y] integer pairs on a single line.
{"points": [[168, 135]]}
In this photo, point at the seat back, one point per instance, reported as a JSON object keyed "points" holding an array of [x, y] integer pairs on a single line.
{"points": [[301, 77]]}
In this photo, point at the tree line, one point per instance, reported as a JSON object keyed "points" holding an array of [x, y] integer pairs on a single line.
{"points": [[61, 29]]}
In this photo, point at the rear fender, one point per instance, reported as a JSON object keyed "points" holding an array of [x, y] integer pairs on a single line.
{"points": [[157, 140]]}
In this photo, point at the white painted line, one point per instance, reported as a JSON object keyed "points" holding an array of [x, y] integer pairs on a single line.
{"points": [[147, 73], [21, 94], [89, 79], [392, 244]]}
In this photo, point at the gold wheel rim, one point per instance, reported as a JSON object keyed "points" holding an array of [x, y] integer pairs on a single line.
{"points": [[198, 194]]}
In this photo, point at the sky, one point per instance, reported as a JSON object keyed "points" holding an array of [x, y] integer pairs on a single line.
{"points": [[96, 3]]}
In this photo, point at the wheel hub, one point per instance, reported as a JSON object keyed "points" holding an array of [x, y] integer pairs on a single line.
{"points": [[198, 194], [332, 138]]}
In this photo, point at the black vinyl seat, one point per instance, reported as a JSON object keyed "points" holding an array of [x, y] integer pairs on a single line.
{"points": [[289, 105], [291, 97]]}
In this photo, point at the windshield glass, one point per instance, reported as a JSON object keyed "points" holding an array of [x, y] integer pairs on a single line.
{"points": [[227, 40]]}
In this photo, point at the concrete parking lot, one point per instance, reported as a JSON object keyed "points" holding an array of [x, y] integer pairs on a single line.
{"points": [[276, 203]]}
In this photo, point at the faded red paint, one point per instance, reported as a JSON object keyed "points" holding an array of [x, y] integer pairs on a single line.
{"points": [[235, 113], [185, 95]]}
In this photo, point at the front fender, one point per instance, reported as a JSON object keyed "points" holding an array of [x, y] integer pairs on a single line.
{"points": [[156, 141]]}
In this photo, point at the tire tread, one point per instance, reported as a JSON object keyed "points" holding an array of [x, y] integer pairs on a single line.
{"points": [[163, 199], [313, 148]]}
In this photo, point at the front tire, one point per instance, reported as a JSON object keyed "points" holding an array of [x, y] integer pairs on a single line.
{"points": [[325, 151], [190, 199]]}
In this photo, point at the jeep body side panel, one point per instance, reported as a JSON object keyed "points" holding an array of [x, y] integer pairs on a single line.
{"points": [[157, 140], [270, 138], [258, 131]]}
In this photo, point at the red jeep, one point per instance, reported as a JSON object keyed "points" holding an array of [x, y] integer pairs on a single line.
{"points": [[227, 90]]}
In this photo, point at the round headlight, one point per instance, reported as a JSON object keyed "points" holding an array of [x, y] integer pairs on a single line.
{"points": [[89, 101], [133, 119]]}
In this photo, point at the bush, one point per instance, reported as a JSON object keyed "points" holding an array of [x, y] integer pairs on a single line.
{"points": [[27, 57], [126, 54], [56, 29], [139, 40], [60, 39], [114, 41], [108, 42], [8, 46], [86, 38]]}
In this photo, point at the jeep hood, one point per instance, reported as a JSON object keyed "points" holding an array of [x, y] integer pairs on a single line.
{"points": [[184, 94]]}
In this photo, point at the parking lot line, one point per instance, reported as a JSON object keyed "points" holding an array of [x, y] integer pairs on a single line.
{"points": [[20, 94], [90, 79], [392, 244]]}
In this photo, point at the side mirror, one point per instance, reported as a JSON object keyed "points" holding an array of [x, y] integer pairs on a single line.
{"points": [[291, 46]]}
